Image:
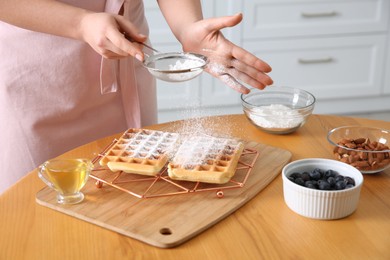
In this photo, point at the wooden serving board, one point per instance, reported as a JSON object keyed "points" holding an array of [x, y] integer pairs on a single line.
{"points": [[169, 221]]}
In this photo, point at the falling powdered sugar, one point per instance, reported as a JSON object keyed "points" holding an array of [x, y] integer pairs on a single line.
{"points": [[275, 116], [200, 121]]}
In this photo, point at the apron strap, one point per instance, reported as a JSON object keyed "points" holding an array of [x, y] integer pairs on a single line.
{"points": [[119, 74]]}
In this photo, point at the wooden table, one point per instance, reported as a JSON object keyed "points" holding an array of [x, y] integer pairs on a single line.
{"points": [[264, 228]]}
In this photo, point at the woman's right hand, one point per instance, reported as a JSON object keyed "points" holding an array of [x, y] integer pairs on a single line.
{"points": [[105, 33]]}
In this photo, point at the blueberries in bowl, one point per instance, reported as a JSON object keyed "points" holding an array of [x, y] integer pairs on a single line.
{"points": [[312, 199], [322, 180]]}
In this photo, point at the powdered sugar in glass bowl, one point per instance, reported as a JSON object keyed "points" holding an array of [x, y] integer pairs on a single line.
{"points": [[278, 110]]}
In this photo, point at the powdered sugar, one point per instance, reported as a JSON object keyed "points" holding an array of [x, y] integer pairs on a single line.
{"points": [[185, 65], [216, 68], [199, 123], [149, 144], [275, 116], [182, 70], [175, 66], [199, 150]]}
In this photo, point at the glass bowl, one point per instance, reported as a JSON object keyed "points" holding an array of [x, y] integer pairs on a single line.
{"points": [[278, 110], [365, 148]]}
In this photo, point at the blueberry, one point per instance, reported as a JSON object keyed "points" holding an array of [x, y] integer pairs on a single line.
{"points": [[290, 178], [330, 173], [340, 185], [319, 170], [348, 186], [331, 180], [295, 175], [315, 174], [311, 184], [323, 185], [349, 180], [299, 181], [305, 176], [339, 178]]}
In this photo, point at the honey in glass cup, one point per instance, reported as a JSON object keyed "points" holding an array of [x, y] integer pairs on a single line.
{"points": [[67, 177]]}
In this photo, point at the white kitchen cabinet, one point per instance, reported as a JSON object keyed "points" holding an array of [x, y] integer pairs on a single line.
{"points": [[338, 50], [293, 18], [332, 67], [386, 85]]}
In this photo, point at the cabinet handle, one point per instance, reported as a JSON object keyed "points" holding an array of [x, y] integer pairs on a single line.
{"points": [[310, 61], [319, 14]]}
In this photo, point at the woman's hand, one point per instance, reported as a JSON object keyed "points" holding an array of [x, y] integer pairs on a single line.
{"points": [[105, 34], [228, 62]]}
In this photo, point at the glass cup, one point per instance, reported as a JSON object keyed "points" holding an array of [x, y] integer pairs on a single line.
{"points": [[67, 177]]}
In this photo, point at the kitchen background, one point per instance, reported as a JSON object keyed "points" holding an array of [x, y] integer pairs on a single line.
{"points": [[337, 50]]}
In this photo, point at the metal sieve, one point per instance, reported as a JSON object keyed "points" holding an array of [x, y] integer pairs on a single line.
{"points": [[163, 65]]}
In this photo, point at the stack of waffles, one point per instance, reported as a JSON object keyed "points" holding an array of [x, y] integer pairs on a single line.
{"points": [[195, 158]]}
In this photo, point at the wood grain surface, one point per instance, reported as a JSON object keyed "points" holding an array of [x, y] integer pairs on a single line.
{"points": [[169, 221], [263, 228]]}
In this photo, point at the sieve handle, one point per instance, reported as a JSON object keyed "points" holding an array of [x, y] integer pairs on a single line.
{"points": [[149, 47], [144, 44]]}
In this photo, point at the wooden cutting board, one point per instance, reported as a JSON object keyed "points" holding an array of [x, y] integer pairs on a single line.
{"points": [[168, 221]]}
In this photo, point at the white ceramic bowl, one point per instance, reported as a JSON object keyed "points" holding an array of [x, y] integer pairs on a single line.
{"points": [[321, 204], [278, 110]]}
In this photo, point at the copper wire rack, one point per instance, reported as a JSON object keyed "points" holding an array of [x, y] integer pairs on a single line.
{"points": [[161, 185]]}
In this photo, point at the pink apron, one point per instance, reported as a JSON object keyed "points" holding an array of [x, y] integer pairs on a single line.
{"points": [[50, 93]]}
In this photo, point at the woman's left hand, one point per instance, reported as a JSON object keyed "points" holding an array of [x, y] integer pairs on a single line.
{"points": [[227, 61]]}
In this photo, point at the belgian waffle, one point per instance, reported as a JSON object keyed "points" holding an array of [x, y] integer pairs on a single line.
{"points": [[206, 159], [140, 151]]}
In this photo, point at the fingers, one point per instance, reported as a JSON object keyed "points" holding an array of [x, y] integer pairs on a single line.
{"points": [[112, 48], [131, 34], [247, 68], [105, 34], [232, 77], [220, 71], [108, 47], [246, 79], [124, 40], [238, 70], [249, 74], [218, 23], [250, 59], [131, 31], [233, 83], [122, 46]]}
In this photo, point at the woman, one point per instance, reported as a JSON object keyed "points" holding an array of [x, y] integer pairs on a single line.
{"points": [[68, 75]]}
